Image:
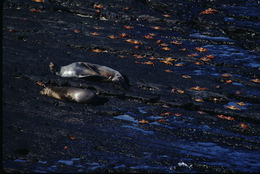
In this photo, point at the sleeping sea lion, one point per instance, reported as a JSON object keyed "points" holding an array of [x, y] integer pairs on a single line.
{"points": [[73, 94], [85, 69]]}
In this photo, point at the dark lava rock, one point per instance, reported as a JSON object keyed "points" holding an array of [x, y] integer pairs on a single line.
{"points": [[192, 104]]}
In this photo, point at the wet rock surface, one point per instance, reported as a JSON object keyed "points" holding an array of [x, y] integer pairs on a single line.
{"points": [[193, 99]]}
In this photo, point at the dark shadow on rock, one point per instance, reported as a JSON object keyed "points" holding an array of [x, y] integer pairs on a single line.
{"points": [[99, 101], [93, 78], [21, 151]]}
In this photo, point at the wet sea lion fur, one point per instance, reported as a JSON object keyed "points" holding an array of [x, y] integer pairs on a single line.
{"points": [[85, 69], [69, 94]]}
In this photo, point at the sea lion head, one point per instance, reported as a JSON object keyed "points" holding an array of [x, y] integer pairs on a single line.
{"points": [[122, 80], [50, 92], [72, 94], [45, 91], [117, 77], [54, 68]]}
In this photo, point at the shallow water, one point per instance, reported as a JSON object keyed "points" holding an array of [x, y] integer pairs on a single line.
{"points": [[234, 55]]}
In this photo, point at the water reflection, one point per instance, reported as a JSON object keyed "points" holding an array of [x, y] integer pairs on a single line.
{"points": [[233, 103], [138, 129], [20, 160], [234, 55], [217, 38], [127, 118]]}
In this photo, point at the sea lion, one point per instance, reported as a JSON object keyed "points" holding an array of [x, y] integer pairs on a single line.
{"points": [[85, 69], [72, 94]]}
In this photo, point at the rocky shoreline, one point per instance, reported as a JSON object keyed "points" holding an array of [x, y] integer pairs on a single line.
{"points": [[193, 99]]}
